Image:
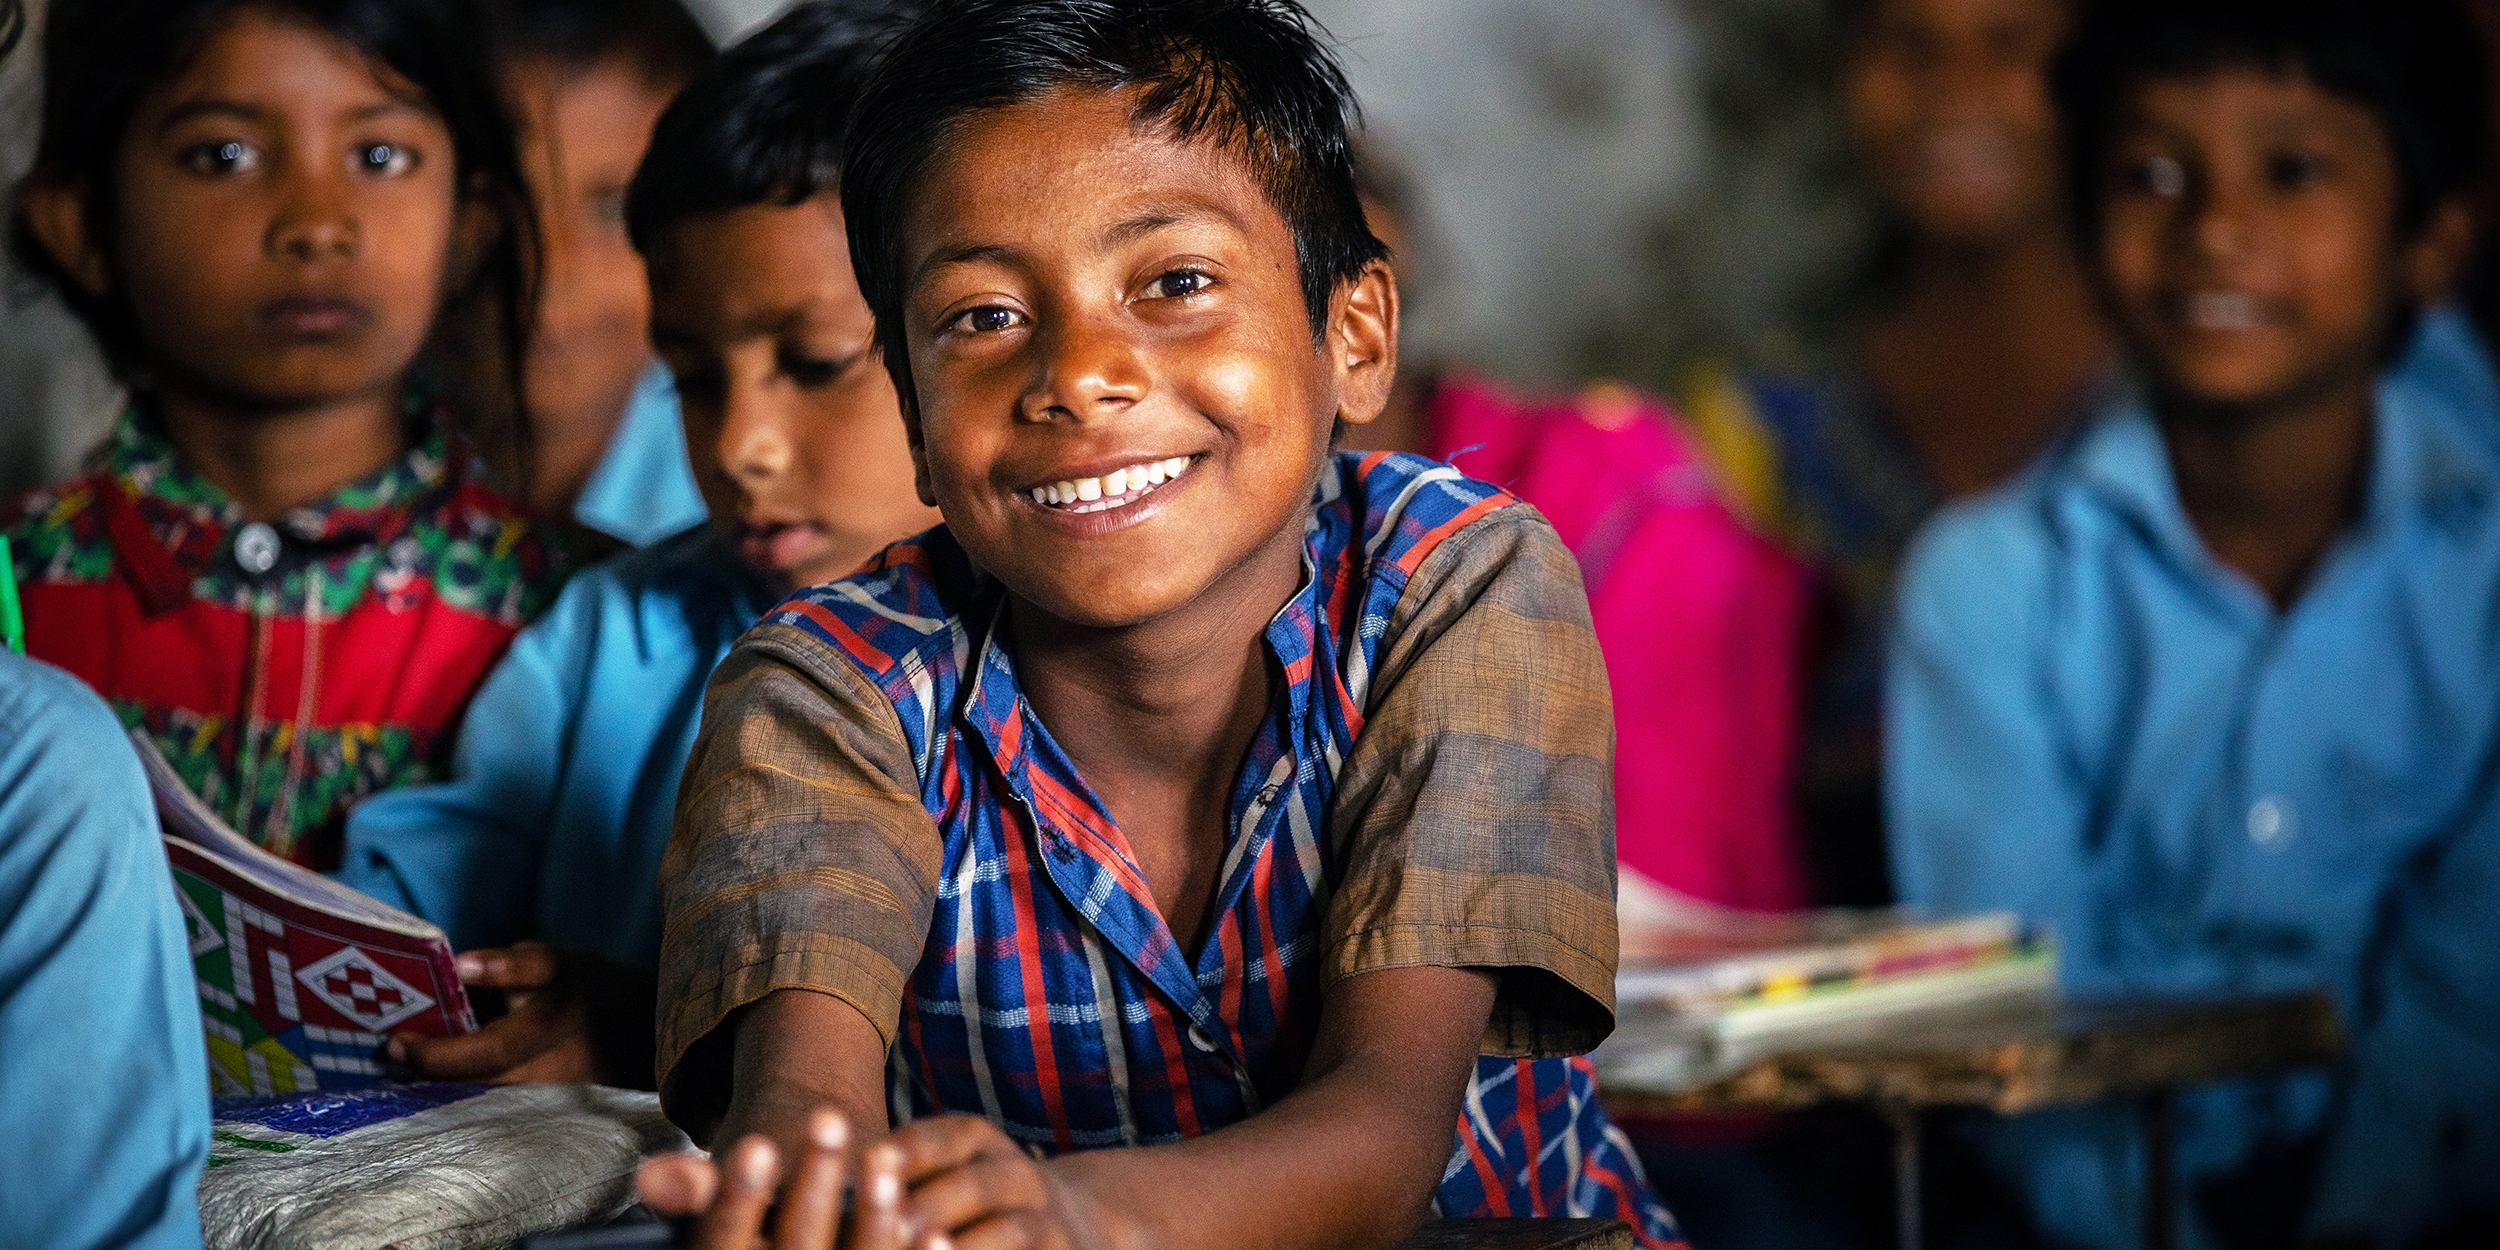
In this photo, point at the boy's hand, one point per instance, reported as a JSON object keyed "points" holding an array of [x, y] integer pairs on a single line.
{"points": [[573, 1018], [978, 1190], [951, 1183], [734, 1197]]}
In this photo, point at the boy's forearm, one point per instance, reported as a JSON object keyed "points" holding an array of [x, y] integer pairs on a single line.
{"points": [[798, 1050], [1350, 1159]]}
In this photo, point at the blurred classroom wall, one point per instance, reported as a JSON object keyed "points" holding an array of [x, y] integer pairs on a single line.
{"points": [[1612, 187]]}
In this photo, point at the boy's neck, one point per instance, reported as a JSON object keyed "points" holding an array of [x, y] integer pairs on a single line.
{"points": [[1158, 716], [2270, 490], [272, 461], [1980, 353]]}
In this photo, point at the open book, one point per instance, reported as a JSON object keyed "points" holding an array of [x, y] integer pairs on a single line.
{"points": [[301, 978]]}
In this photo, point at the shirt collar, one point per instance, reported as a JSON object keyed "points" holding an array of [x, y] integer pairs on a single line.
{"points": [[171, 525], [2421, 463], [995, 710]]}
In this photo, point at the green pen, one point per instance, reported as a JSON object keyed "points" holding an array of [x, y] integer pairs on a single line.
{"points": [[12, 620]]}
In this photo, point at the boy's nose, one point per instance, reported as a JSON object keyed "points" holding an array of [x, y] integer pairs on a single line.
{"points": [[755, 442], [1090, 371], [311, 226]]}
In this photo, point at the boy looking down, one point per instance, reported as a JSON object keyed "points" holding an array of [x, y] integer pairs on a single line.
{"points": [[540, 857], [2214, 691], [1193, 790]]}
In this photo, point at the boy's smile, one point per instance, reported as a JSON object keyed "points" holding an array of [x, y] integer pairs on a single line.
{"points": [[2250, 237], [1122, 405]]}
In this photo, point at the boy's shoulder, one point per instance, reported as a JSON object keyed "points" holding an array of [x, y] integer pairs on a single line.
{"points": [[1383, 514], [901, 612]]}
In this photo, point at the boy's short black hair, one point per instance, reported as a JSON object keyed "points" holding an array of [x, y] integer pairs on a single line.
{"points": [[1255, 76], [658, 36], [2417, 64], [763, 123]]}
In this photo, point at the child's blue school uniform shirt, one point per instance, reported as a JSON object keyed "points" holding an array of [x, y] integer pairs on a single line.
{"points": [[565, 777], [2097, 724], [103, 1073], [643, 488]]}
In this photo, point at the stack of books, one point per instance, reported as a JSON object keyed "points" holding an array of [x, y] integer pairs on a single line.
{"points": [[1706, 991]]}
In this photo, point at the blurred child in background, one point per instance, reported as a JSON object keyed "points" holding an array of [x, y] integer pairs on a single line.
{"points": [[1980, 343], [551, 830], [2212, 693], [585, 80], [282, 565], [1701, 620]]}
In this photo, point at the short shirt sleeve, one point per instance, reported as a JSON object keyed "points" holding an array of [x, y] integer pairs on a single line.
{"points": [[802, 858], [1474, 815]]}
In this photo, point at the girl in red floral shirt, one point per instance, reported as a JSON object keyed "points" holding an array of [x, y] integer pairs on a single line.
{"points": [[281, 565]]}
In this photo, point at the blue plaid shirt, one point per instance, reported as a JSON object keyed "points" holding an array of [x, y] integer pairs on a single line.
{"points": [[1033, 981]]}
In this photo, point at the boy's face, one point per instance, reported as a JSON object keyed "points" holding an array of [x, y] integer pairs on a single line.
{"points": [[2249, 245], [583, 132], [1121, 406], [1948, 103], [791, 421], [283, 223]]}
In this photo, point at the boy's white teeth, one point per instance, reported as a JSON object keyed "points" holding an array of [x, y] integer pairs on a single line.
{"points": [[1114, 489], [2223, 310]]}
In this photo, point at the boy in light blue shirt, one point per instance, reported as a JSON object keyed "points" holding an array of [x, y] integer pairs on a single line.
{"points": [[103, 1074], [541, 856], [2214, 692]]}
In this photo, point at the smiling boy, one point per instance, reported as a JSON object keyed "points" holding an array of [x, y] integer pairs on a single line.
{"points": [[2214, 692], [1193, 791]]}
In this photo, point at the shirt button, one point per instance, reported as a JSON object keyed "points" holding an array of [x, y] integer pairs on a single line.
{"points": [[2270, 822], [1198, 1038], [256, 548]]}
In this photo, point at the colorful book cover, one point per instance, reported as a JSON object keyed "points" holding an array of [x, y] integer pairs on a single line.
{"points": [[301, 979]]}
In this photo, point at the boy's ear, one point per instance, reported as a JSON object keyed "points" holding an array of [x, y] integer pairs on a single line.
{"points": [[1363, 343], [55, 210], [2433, 263]]}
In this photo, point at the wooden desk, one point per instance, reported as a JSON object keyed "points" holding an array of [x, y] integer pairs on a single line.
{"points": [[1521, 1235], [2012, 1057]]}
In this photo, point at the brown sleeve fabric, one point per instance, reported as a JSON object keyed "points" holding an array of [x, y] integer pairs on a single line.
{"points": [[802, 857], [1474, 817]]}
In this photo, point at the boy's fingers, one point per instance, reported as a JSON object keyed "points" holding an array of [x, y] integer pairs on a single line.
{"points": [[522, 966], [491, 1051], [947, 1142], [735, 1220], [1017, 1231], [984, 1189], [677, 1185], [813, 1202], [877, 1216]]}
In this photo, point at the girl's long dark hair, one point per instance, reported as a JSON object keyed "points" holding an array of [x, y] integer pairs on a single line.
{"points": [[101, 56]]}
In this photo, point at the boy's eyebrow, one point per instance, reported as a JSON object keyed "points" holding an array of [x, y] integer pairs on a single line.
{"points": [[211, 108], [1118, 234], [242, 111]]}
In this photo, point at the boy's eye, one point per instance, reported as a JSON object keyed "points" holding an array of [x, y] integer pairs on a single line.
{"points": [[990, 319], [2157, 175], [813, 373], [229, 157], [386, 159], [1182, 283], [2294, 171]]}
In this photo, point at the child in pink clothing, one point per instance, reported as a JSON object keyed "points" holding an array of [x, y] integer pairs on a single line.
{"points": [[1700, 619]]}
